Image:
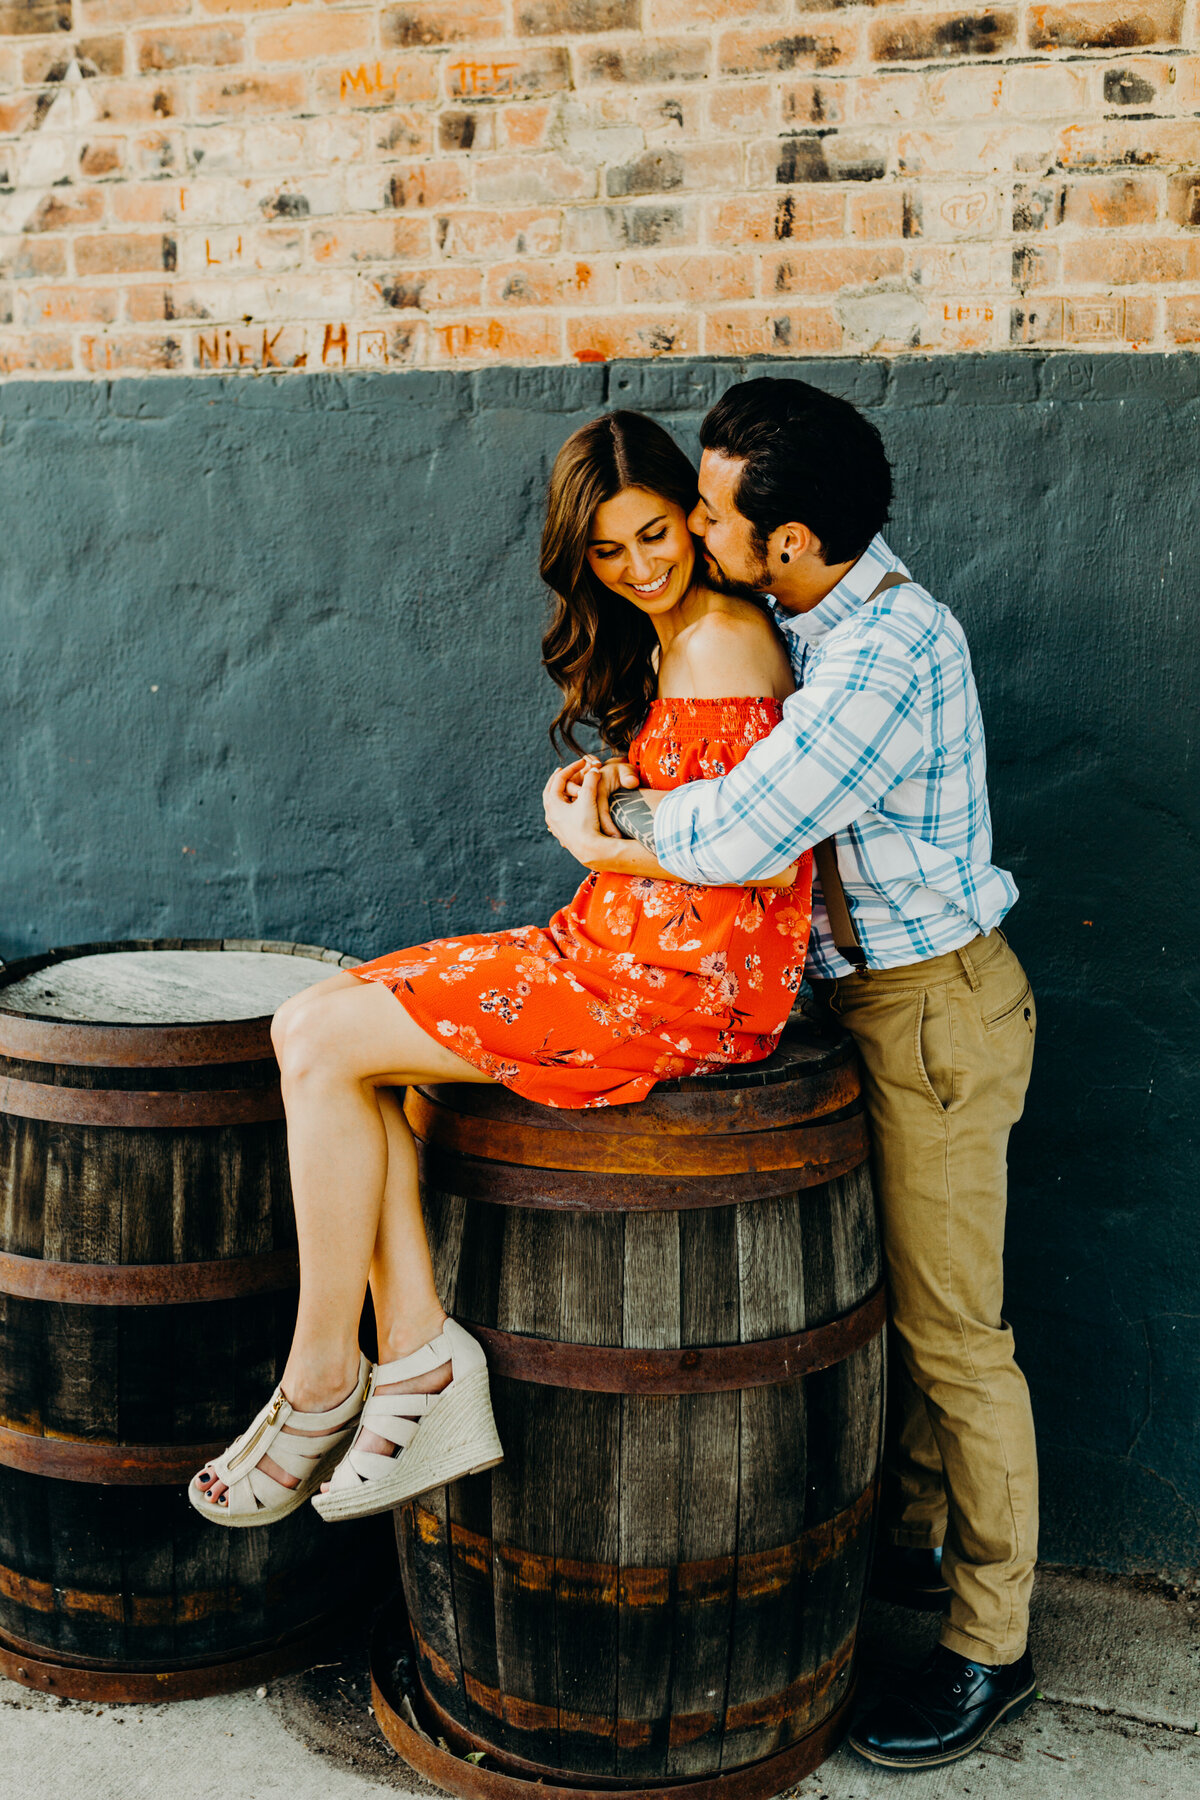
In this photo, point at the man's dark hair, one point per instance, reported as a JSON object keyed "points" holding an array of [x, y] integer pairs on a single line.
{"points": [[810, 458]]}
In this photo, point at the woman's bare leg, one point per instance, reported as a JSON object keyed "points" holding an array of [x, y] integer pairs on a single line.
{"points": [[342, 1046]]}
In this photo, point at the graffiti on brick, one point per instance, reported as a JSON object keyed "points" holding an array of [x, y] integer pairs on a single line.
{"points": [[480, 80]]}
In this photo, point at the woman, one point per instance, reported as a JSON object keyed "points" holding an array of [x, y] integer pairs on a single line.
{"points": [[639, 979]]}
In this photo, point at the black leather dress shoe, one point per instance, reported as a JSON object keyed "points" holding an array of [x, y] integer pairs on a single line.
{"points": [[942, 1711], [910, 1577]]}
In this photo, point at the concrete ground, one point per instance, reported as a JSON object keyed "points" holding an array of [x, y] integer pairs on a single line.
{"points": [[1118, 1664]]}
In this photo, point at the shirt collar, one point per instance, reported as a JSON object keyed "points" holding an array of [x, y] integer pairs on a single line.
{"points": [[851, 592]]}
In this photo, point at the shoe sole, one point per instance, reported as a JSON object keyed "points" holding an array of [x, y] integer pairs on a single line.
{"points": [[1018, 1705], [453, 1441], [272, 1514]]}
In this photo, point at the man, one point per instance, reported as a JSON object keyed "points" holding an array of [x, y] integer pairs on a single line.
{"points": [[881, 748]]}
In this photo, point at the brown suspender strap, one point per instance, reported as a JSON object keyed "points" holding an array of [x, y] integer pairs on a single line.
{"points": [[845, 936]]}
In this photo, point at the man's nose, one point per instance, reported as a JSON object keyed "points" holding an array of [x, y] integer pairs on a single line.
{"points": [[696, 521]]}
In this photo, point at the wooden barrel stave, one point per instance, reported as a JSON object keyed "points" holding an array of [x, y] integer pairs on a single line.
{"points": [[122, 1577], [653, 1587]]}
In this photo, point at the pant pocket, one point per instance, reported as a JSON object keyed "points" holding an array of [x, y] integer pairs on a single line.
{"points": [[933, 1046]]}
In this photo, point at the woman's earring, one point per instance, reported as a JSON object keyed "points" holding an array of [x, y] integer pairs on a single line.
{"points": [[784, 557]]}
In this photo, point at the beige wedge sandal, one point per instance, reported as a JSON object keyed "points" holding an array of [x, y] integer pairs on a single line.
{"points": [[439, 1437], [256, 1498]]}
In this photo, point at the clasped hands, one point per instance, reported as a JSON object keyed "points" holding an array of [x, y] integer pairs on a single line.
{"points": [[576, 804]]}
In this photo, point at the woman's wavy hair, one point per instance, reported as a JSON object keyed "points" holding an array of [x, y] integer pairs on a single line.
{"points": [[599, 648]]}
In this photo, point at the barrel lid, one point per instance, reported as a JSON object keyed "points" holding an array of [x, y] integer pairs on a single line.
{"points": [[804, 1049], [154, 1001]]}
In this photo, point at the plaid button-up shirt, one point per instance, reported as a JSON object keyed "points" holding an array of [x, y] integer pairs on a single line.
{"points": [[882, 743]]}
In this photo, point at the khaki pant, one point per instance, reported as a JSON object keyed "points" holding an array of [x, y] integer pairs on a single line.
{"points": [[946, 1047]]}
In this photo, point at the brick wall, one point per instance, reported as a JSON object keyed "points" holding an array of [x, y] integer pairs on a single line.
{"points": [[200, 185]]}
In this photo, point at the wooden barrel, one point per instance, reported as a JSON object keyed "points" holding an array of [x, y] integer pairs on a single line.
{"points": [[682, 1310], [148, 1279]]}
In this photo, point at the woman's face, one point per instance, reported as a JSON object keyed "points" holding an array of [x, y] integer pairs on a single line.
{"points": [[640, 547]]}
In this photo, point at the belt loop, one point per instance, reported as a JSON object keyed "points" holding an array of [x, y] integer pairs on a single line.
{"points": [[968, 968]]}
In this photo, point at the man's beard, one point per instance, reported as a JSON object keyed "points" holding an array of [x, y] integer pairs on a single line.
{"points": [[716, 578]]}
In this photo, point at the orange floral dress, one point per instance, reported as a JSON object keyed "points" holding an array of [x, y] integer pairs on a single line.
{"points": [[636, 981]]}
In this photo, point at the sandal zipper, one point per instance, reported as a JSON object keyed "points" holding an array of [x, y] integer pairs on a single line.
{"points": [[273, 1412]]}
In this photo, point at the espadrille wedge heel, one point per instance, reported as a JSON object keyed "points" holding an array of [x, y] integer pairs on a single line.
{"points": [[438, 1437]]}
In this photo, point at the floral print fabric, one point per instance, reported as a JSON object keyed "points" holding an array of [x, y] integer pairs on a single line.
{"points": [[635, 981]]}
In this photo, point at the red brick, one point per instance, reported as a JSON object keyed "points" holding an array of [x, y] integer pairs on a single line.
{"points": [[1141, 143], [146, 203], [778, 219], [815, 103], [784, 331], [341, 34], [125, 103], [1034, 267], [75, 305], [1183, 201], [524, 179], [1107, 203], [1183, 319], [649, 225], [962, 324], [237, 96], [646, 61], [194, 46], [632, 334], [556, 17], [667, 171], [772, 52], [826, 271], [414, 186], [398, 81], [35, 354], [104, 157], [50, 60], [118, 253], [1105, 25], [1100, 319], [885, 212], [1119, 262], [34, 18], [133, 12], [521, 338], [670, 15], [371, 240], [835, 156], [525, 74], [65, 207], [523, 127], [429, 290], [925, 37], [573, 282], [35, 257], [747, 108], [17, 115], [149, 303], [131, 350], [687, 280], [488, 235], [420, 23]]}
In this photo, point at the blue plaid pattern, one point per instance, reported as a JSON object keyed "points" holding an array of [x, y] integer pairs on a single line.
{"points": [[882, 743]]}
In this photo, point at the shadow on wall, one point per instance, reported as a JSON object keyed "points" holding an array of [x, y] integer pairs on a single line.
{"points": [[270, 664]]}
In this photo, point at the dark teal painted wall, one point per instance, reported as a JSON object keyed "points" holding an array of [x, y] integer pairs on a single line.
{"points": [[269, 666]]}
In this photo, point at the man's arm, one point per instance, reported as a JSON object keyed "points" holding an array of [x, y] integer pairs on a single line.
{"points": [[850, 735], [633, 814]]}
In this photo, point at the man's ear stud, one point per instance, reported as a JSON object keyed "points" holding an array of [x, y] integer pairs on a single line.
{"points": [[784, 557]]}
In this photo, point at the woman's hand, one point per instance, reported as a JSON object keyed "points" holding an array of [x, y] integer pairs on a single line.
{"points": [[571, 802], [615, 775]]}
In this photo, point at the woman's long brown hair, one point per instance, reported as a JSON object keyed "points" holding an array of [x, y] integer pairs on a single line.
{"points": [[599, 647]]}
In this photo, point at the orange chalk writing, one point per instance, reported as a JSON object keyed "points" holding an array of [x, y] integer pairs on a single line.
{"points": [[336, 338], [470, 77]]}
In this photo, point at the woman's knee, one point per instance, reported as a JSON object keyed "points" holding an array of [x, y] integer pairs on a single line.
{"points": [[301, 1038]]}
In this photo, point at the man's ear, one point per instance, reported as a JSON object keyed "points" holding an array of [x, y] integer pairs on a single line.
{"points": [[793, 541]]}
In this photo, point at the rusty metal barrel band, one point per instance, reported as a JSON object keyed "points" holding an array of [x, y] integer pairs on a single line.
{"points": [[117, 1465], [134, 1046], [148, 1284], [515, 1779], [824, 1146], [702, 1369], [567, 1190], [139, 1109], [35, 1667]]}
